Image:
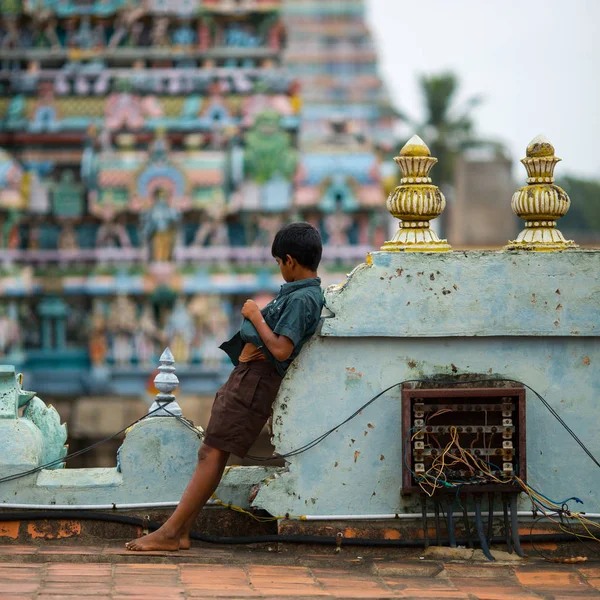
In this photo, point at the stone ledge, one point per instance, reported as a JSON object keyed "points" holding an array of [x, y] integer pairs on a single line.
{"points": [[474, 293]]}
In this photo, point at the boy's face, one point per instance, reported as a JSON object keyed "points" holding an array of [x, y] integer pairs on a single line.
{"points": [[286, 268]]}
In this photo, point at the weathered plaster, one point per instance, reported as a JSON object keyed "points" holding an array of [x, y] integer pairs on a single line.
{"points": [[469, 294], [157, 459], [377, 339]]}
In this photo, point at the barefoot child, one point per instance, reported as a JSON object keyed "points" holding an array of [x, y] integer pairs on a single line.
{"points": [[263, 349]]}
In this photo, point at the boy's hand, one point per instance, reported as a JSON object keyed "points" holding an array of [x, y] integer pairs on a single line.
{"points": [[250, 310]]}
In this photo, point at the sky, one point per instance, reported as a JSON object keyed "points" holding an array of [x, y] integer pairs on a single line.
{"points": [[536, 63]]}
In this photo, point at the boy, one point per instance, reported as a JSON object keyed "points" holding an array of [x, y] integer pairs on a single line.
{"points": [[263, 349]]}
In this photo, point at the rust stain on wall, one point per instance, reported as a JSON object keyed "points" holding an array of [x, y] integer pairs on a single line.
{"points": [[54, 530], [10, 529]]}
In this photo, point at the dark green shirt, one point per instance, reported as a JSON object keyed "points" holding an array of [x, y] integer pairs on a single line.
{"points": [[295, 313]]}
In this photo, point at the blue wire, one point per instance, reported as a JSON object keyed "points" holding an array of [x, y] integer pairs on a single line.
{"points": [[578, 500]]}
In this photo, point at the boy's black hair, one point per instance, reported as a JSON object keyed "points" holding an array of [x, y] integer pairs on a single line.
{"points": [[301, 241]]}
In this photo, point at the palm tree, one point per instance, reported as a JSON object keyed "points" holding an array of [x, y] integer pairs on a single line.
{"points": [[447, 128]]}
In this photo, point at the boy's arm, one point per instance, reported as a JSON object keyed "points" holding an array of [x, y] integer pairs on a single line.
{"points": [[280, 346]]}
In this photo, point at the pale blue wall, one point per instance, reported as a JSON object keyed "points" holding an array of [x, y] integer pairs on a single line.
{"points": [[536, 319], [527, 316]]}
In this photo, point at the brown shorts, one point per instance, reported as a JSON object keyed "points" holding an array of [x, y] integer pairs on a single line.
{"points": [[242, 407]]}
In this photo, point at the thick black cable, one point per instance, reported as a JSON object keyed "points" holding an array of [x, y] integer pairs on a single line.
{"points": [[479, 528], [112, 517]]}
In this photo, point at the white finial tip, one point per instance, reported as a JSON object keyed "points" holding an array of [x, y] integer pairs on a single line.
{"points": [[415, 140], [539, 147], [415, 147], [540, 138], [167, 356]]}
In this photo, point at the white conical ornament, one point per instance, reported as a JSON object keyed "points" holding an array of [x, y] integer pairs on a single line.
{"points": [[416, 201], [166, 382]]}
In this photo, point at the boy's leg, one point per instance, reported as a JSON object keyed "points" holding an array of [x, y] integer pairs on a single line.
{"points": [[204, 481]]}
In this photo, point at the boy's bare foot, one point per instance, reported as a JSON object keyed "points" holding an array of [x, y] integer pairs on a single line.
{"points": [[184, 541], [157, 540]]}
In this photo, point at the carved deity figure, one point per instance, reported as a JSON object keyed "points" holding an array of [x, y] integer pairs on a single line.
{"points": [[260, 102], [269, 149], [44, 30], [45, 115], [126, 110], [97, 341], [67, 196], [127, 30], [338, 225], [88, 37], [184, 36], [90, 164], [268, 226], [10, 10], [112, 234], [211, 327], [11, 37], [148, 337], [122, 322], [159, 151], [10, 333], [67, 240], [213, 227], [180, 331], [11, 179], [159, 228], [159, 36]]}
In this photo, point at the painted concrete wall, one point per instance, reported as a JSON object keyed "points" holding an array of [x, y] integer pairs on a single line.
{"points": [[394, 322], [156, 462], [531, 317]]}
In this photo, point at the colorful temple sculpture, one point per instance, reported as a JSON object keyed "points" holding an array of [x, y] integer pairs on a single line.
{"points": [[148, 153]]}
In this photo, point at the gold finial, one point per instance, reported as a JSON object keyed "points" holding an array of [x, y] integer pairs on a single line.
{"points": [[416, 202], [540, 203]]}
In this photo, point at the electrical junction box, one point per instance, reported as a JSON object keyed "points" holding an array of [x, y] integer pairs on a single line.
{"points": [[487, 423]]}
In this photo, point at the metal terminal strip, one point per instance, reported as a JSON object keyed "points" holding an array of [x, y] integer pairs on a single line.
{"points": [[467, 407], [504, 452], [469, 429]]}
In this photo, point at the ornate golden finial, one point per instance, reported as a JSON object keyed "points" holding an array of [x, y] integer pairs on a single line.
{"points": [[540, 203], [415, 202]]}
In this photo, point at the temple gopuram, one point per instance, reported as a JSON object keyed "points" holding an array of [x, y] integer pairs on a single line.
{"points": [[148, 153], [347, 135]]}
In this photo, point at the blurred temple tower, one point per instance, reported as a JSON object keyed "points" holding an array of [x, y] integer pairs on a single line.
{"points": [[347, 130], [331, 51], [149, 151]]}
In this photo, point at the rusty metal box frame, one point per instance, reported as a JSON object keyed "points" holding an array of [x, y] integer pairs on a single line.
{"points": [[466, 395]]}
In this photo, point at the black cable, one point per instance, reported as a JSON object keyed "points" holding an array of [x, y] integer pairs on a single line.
{"points": [[318, 440], [479, 528], [64, 459], [507, 531], [322, 437], [111, 517], [558, 418], [514, 526]]}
